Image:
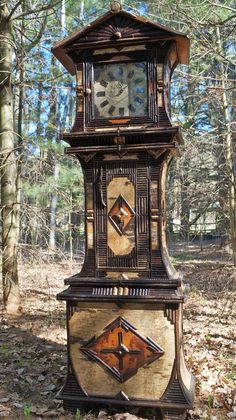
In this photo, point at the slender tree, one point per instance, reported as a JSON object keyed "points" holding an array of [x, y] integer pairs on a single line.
{"points": [[11, 296], [10, 14]]}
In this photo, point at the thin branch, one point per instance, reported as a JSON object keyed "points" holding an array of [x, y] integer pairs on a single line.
{"points": [[32, 11], [38, 36], [232, 9], [198, 76], [14, 9], [193, 22], [223, 22]]}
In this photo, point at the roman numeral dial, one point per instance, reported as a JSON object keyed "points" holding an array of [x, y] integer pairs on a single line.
{"points": [[120, 90]]}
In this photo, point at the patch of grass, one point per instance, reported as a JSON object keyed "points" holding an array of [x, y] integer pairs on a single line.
{"points": [[27, 411], [5, 350], [210, 401], [231, 375], [4, 346], [77, 414], [21, 362], [184, 257]]}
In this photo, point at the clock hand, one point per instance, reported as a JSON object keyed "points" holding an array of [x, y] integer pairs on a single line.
{"points": [[121, 90]]}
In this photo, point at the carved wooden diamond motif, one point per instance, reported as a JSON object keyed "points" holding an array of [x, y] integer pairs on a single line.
{"points": [[121, 214], [121, 350]]}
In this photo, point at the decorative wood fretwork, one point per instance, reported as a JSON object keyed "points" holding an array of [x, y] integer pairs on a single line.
{"points": [[175, 393], [121, 350], [71, 309], [170, 313], [87, 156], [121, 214], [120, 23], [121, 291]]}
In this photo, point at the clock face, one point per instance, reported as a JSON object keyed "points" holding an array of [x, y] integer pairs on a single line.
{"points": [[120, 90]]}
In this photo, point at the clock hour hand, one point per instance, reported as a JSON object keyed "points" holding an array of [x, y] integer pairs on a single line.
{"points": [[121, 90]]}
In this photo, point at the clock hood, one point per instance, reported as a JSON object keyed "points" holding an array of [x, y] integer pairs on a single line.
{"points": [[118, 29]]}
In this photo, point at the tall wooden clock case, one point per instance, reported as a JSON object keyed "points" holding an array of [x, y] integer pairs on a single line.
{"points": [[124, 309]]}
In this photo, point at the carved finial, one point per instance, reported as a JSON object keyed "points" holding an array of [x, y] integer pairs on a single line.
{"points": [[116, 6], [117, 34]]}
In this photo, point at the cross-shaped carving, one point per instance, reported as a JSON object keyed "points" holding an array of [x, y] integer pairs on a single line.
{"points": [[120, 351]]}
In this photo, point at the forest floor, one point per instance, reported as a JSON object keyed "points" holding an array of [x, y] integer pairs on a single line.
{"points": [[33, 345]]}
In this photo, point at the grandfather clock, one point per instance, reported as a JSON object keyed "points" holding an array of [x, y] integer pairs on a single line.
{"points": [[124, 309]]}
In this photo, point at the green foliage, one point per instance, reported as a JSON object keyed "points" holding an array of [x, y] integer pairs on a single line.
{"points": [[27, 411], [210, 401], [77, 414], [5, 351]]}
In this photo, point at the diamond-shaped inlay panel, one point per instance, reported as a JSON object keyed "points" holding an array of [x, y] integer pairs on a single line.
{"points": [[122, 350], [121, 214]]}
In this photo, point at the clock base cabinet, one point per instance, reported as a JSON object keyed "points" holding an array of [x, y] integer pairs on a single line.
{"points": [[127, 355]]}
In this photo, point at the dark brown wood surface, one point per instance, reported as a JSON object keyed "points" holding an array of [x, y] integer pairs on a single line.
{"points": [[125, 160]]}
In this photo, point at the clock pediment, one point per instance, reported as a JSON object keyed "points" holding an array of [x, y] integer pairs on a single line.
{"points": [[118, 30], [118, 27]]}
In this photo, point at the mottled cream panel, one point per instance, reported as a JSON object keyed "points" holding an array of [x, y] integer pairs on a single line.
{"points": [[121, 244], [79, 75], [90, 241], [116, 156], [124, 49], [154, 227], [150, 382], [159, 71], [154, 194], [122, 275], [130, 127]]}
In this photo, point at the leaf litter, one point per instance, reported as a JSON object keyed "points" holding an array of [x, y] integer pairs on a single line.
{"points": [[33, 346]]}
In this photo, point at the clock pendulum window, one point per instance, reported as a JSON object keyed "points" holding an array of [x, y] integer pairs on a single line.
{"points": [[124, 308]]}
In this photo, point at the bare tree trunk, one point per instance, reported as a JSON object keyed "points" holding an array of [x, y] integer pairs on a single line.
{"points": [[63, 17], [11, 295], [20, 131], [70, 231], [82, 11], [185, 209], [54, 134], [52, 155], [53, 209], [229, 151]]}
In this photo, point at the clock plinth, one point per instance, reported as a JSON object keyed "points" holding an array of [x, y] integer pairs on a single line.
{"points": [[124, 309]]}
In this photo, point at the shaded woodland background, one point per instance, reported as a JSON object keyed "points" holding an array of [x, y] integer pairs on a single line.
{"points": [[42, 197]]}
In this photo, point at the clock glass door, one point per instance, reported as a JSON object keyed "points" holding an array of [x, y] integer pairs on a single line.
{"points": [[120, 90]]}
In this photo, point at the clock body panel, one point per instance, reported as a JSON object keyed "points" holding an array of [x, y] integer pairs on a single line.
{"points": [[148, 320]]}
